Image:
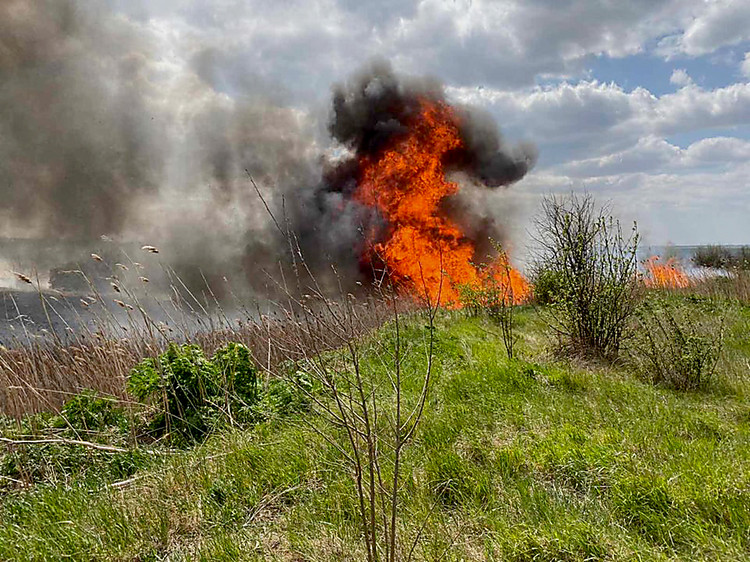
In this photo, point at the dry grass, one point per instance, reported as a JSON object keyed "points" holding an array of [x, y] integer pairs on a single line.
{"points": [[40, 374], [98, 350], [733, 286]]}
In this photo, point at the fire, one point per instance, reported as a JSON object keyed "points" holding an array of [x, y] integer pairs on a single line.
{"points": [[423, 248], [668, 275]]}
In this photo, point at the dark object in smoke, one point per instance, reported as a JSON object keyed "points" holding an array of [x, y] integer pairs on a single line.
{"points": [[378, 105]]}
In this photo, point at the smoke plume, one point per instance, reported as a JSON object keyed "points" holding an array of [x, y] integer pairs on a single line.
{"points": [[100, 134], [377, 108], [77, 142], [377, 105]]}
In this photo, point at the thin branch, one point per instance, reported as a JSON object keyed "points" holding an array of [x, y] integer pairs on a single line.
{"points": [[62, 441]]}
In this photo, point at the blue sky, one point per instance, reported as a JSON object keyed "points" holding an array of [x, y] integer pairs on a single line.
{"points": [[644, 103]]}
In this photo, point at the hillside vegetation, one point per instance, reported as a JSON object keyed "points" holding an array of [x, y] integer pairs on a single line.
{"points": [[531, 458], [599, 412]]}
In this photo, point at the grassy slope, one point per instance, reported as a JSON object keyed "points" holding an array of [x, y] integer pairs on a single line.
{"points": [[519, 460]]}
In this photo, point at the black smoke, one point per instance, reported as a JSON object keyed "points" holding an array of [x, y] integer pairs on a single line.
{"points": [[378, 105], [375, 107], [78, 144]]}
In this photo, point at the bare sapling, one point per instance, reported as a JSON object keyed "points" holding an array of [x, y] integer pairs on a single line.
{"points": [[357, 385]]}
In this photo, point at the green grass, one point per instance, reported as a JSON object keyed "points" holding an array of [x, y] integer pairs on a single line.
{"points": [[530, 459]]}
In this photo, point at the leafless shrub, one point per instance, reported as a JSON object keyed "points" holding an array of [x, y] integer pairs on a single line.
{"points": [[494, 298], [363, 408], [366, 415]]}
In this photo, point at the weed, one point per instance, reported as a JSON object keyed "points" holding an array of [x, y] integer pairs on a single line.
{"points": [[194, 394], [91, 412], [678, 346]]}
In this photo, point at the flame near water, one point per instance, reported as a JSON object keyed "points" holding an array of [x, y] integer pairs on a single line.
{"points": [[667, 275], [424, 250]]}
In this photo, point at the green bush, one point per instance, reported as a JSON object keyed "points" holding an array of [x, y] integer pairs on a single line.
{"points": [[237, 372], [675, 346], [89, 411], [721, 257], [53, 454], [548, 286], [196, 394], [286, 396], [587, 268]]}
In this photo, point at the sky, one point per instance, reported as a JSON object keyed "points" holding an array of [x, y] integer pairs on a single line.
{"points": [[643, 103]]}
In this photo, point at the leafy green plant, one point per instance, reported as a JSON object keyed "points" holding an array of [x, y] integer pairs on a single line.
{"points": [[238, 379], [92, 412], [547, 286], [675, 346], [87, 441], [590, 264], [194, 393], [284, 396], [236, 367]]}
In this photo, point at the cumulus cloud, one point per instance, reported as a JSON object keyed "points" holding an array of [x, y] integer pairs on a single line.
{"points": [[716, 24], [508, 44], [466, 42], [680, 77], [745, 65], [715, 150], [695, 108], [571, 117], [616, 143], [686, 207], [654, 154], [650, 153], [590, 118]]}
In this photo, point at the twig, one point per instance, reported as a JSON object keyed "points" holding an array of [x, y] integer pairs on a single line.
{"points": [[62, 441], [124, 483], [14, 480]]}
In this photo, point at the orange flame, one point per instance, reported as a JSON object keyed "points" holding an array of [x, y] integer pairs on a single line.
{"points": [[513, 287], [423, 249], [668, 275]]}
